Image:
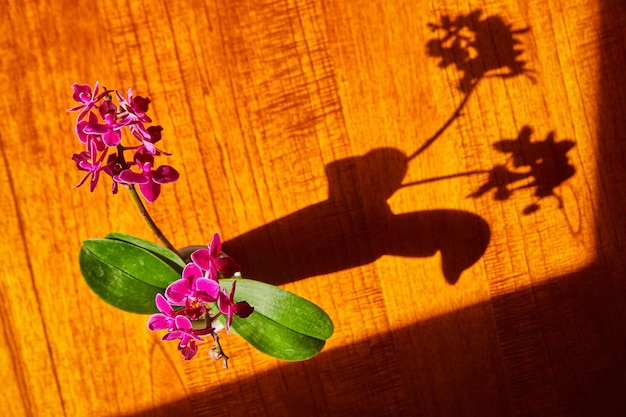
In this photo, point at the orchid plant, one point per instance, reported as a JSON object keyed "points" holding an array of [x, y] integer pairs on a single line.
{"points": [[188, 295]]}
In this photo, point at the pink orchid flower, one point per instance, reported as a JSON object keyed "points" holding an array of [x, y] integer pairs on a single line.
{"points": [[148, 179], [229, 308], [212, 261]]}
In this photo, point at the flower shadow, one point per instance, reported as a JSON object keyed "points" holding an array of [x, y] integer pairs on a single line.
{"points": [[478, 47], [542, 165]]}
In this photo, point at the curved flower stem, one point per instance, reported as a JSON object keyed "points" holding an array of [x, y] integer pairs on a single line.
{"points": [[448, 122], [146, 216], [216, 351]]}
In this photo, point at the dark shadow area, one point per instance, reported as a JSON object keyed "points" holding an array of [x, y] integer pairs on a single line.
{"points": [[355, 226], [555, 350]]}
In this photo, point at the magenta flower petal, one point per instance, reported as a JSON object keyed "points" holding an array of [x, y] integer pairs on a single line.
{"points": [[155, 133], [82, 92], [140, 104], [89, 161], [189, 351], [144, 160], [160, 322], [243, 309], [80, 131], [213, 261], [150, 147], [150, 191], [208, 289], [112, 138], [129, 177], [163, 306], [95, 128], [165, 174], [176, 334], [227, 266], [229, 308], [216, 246], [192, 272], [183, 323], [224, 302], [202, 258], [126, 120], [164, 320], [107, 108], [178, 291]]}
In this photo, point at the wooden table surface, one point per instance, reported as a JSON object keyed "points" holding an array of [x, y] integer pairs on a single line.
{"points": [[445, 178]]}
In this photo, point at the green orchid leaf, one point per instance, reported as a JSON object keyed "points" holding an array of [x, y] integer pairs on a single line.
{"points": [[274, 339], [125, 275], [283, 307], [166, 255], [283, 325]]}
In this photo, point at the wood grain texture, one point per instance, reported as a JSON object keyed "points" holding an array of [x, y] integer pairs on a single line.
{"points": [[345, 150]]}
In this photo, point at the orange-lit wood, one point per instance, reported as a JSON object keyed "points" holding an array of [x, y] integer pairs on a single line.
{"points": [[344, 155]]}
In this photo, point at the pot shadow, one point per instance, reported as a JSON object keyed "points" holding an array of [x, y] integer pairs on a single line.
{"points": [[355, 226]]}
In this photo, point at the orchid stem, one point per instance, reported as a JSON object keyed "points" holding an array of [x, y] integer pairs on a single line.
{"points": [[446, 177], [216, 351], [448, 122], [146, 216]]}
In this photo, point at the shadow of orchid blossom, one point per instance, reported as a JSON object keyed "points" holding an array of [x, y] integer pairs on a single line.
{"points": [[542, 165], [478, 47]]}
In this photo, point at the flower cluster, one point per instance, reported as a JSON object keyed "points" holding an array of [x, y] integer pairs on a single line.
{"points": [[186, 310], [99, 128]]}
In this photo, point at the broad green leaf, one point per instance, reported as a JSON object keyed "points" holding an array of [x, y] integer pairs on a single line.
{"points": [[162, 252], [274, 339], [124, 275], [283, 325], [283, 307]]}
